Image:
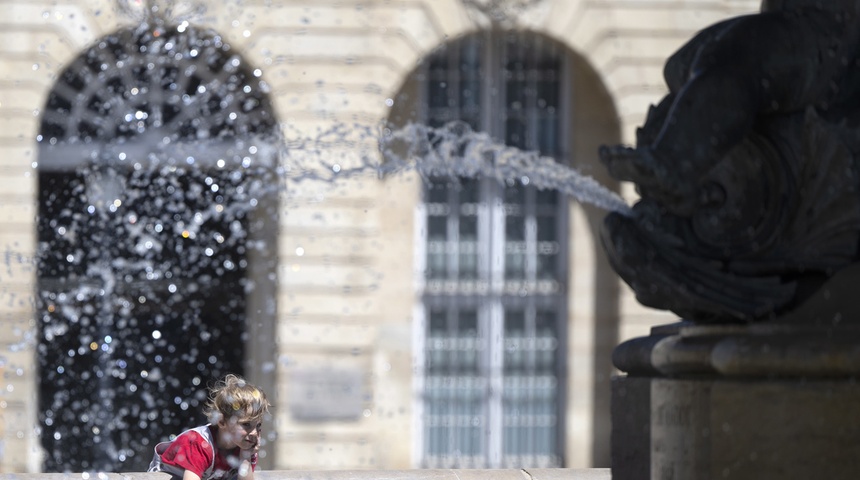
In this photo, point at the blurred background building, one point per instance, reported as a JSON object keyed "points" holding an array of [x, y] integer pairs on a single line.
{"points": [[172, 209]]}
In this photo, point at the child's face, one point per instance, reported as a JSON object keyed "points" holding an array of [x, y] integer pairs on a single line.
{"points": [[242, 432]]}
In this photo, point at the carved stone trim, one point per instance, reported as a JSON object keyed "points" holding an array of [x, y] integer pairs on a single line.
{"points": [[500, 11]]}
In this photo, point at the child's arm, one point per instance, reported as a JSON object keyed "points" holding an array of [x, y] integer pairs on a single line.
{"points": [[189, 475], [248, 461], [246, 471]]}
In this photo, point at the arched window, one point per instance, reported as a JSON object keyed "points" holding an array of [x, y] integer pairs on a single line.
{"points": [[157, 199], [494, 290]]}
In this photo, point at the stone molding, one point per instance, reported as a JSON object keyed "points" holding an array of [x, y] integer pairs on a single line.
{"points": [[758, 350]]}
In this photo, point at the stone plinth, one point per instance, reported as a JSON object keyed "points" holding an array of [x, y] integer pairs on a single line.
{"points": [[771, 400]]}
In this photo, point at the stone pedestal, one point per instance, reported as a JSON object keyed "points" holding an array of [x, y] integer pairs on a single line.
{"points": [[779, 399]]}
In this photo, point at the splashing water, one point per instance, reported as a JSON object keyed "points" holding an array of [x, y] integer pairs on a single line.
{"points": [[453, 150], [341, 153]]}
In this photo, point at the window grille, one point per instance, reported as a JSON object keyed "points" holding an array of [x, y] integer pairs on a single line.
{"points": [[494, 261]]}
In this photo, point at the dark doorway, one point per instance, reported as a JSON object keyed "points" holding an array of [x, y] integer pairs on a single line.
{"points": [[157, 207]]}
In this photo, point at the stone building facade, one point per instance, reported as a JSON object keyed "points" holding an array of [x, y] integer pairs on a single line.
{"points": [[339, 318]]}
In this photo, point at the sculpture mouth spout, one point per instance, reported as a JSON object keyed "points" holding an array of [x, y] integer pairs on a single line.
{"points": [[665, 275], [779, 209]]}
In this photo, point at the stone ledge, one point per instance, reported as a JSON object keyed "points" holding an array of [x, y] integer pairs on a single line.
{"points": [[764, 350], [418, 474]]}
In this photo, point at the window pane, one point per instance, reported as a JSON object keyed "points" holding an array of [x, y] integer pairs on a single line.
{"points": [[468, 190], [546, 333], [470, 75], [515, 232], [437, 231], [469, 246], [548, 135], [530, 389], [515, 261], [547, 93], [437, 83], [454, 389], [515, 334], [436, 192], [546, 199], [515, 226], [515, 196], [515, 132]]}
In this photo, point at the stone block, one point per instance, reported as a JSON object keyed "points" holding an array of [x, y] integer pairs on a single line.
{"points": [[735, 428]]}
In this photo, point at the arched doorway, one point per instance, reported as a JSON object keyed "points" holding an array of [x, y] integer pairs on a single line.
{"points": [[157, 219]]}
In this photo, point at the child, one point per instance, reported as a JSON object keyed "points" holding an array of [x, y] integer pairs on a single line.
{"points": [[793, 55], [224, 449]]}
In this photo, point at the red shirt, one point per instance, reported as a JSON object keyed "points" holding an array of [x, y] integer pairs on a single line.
{"points": [[192, 452]]}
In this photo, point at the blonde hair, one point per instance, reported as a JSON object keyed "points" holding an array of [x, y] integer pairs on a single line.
{"points": [[234, 397]]}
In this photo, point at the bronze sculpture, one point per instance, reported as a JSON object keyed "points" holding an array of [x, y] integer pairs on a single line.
{"points": [[748, 169]]}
